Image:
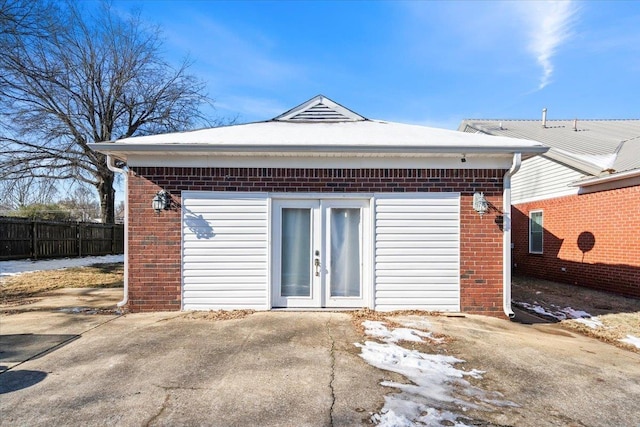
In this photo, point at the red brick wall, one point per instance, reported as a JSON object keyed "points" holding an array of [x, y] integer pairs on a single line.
{"points": [[154, 248], [594, 237]]}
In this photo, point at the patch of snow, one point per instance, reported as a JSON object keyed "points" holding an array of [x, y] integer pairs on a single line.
{"points": [[630, 339], [561, 313], [435, 384], [539, 309], [575, 314], [378, 330], [13, 268], [401, 411], [593, 322]]}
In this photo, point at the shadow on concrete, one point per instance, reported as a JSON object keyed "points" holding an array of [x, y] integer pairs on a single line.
{"points": [[19, 379], [17, 348]]}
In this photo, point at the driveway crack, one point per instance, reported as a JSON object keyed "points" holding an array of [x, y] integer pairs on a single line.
{"points": [[332, 376], [162, 409]]}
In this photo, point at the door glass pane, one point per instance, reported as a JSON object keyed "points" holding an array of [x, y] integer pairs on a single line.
{"points": [[295, 280], [345, 252]]}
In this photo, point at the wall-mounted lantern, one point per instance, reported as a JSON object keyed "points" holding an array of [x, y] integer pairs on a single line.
{"points": [[162, 200], [480, 204]]}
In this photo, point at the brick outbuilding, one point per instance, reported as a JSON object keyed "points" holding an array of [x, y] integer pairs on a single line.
{"points": [[319, 207], [576, 208]]}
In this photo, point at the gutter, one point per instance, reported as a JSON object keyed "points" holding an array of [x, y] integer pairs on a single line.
{"points": [[506, 235], [112, 167], [120, 150]]}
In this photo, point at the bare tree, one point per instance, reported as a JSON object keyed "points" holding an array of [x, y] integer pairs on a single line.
{"points": [[20, 192], [94, 77]]}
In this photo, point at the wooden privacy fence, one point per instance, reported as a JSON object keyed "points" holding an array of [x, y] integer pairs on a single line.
{"points": [[25, 238]]}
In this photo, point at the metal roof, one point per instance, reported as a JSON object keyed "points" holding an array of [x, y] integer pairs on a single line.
{"points": [[597, 145]]}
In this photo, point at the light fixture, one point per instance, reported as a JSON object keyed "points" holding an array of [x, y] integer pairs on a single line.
{"points": [[162, 200], [464, 158], [480, 204]]}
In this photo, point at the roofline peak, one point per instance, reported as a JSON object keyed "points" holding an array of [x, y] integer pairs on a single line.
{"points": [[319, 109]]}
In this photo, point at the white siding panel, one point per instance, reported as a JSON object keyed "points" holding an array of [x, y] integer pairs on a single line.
{"points": [[540, 178], [417, 251], [224, 251]]}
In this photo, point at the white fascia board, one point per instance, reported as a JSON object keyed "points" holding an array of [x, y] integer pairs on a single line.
{"points": [[352, 162], [123, 150], [608, 182], [607, 178]]}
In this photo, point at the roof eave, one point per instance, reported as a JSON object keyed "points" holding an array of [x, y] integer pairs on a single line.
{"points": [[121, 150], [607, 178], [572, 161]]}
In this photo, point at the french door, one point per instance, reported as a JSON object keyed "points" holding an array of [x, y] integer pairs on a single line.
{"points": [[320, 254]]}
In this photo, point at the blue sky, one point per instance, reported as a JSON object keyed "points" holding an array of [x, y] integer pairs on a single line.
{"points": [[429, 63]]}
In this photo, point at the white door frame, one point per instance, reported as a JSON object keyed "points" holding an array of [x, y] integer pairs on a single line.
{"points": [[320, 207]]}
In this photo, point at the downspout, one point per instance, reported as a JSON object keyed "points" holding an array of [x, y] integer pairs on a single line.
{"points": [[506, 235], [112, 167]]}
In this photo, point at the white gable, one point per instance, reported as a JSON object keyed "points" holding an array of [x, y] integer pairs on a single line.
{"points": [[319, 109]]}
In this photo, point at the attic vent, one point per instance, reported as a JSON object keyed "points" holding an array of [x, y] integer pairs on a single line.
{"points": [[319, 113], [318, 110]]}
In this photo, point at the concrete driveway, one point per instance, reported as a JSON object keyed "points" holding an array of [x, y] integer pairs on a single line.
{"points": [[292, 369], [165, 369]]}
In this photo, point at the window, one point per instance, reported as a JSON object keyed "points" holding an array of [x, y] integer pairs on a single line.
{"points": [[535, 232]]}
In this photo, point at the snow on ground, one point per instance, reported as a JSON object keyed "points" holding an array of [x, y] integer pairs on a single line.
{"points": [[437, 391], [630, 339], [559, 313], [378, 330], [13, 268], [592, 322]]}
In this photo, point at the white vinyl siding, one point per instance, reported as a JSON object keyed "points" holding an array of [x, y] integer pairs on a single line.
{"points": [[417, 251], [224, 251], [541, 178], [536, 232]]}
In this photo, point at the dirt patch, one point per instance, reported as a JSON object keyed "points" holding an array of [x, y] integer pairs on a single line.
{"points": [[547, 294], [217, 314], [15, 289], [616, 316]]}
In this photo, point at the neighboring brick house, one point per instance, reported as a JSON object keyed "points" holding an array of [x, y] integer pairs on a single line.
{"points": [[576, 209], [317, 208]]}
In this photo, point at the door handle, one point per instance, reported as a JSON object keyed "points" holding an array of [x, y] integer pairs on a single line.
{"points": [[317, 264]]}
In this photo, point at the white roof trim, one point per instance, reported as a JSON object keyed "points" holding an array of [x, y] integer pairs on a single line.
{"points": [[573, 161], [607, 178], [319, 109], [122, 151]]}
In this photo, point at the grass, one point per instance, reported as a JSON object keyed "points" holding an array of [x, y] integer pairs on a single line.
{"points": [[28, 285], [616, 327], [619, 315]]}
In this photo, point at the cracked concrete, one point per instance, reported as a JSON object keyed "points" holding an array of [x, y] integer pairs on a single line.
{"points": [[159, 414], [162, 369], [332, 375], [288, 368]]}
